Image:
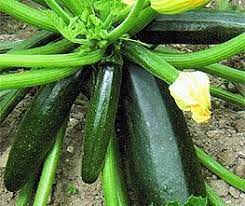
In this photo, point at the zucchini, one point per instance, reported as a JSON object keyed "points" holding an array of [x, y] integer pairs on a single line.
{"points": [[100, 120], [37, 131], [161, 164], [196, 27]]}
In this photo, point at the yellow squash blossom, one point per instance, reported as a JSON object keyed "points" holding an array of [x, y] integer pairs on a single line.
{"points": [[191, 93], [176, 6], [128, 2]]}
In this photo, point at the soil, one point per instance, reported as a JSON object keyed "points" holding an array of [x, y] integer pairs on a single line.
{"points": [[223, 138]]}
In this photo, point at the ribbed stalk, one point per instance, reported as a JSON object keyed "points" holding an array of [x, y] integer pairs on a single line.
{"points": [[27, 14], [219, 170], [49, 169], [35, 77], [208, 56], [55, 60]]}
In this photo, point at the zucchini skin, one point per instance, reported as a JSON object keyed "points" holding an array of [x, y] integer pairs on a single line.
{"points": [[37, 131], [196, 27], [161, 164], [100, 120]]}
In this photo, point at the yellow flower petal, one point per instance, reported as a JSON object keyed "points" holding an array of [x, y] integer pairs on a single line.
{"points": [[176, 6], [191, 93], [128, 2]]}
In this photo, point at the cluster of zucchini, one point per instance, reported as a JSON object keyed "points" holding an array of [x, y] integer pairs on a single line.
{"points": [[135, 136]]}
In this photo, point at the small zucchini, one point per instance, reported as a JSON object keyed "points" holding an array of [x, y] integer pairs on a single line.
{"points": [[37, 131], [100, 120], [160, 161]]}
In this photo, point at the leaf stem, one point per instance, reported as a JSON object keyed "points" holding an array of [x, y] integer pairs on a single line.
{"points": [[208, 56], [35, 77], [25, 194], [58, 10], [219, 170], [165, 71], [128, 23], [26, 14], [213, 198], [227, 96], [49, 169], [112, 181], [54, 60]]}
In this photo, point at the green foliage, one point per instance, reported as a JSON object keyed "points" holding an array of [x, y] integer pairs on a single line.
{"points": [[90, 28]]}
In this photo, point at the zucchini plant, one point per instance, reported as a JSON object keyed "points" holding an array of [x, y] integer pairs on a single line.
{"points": [[114, 52]]}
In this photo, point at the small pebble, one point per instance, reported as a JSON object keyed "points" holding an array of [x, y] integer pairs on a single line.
{"points": [[239, 126], [227, 157], [220, 187], [240, 168], [234, 192], [70, 149], [242, 195]]}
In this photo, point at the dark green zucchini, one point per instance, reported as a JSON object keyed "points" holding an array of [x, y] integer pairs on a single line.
{"points": [[196, 27], [161, 164], [38, 129], [100, 120]]}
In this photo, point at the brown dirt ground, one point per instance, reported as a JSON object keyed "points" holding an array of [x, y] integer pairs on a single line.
{"points": [[223, 137]]}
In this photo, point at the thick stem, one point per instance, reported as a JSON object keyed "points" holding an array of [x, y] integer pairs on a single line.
{"points": [[26, 14], [55, 60], [112, 179], [35, 77], [128, 23], [58, 10], [208, 56], [49, 169], [220, 171], [163, 70]]}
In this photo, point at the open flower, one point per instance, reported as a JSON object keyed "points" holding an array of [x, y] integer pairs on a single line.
{"points": [[176, 6], [191, 93]]}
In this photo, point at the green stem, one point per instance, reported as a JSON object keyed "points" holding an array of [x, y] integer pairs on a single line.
{"points": [[223, 5], [27, 14], [61, 46], [49, 170], [55, 60], [112, 180], [227, 96], [220, 171], [163, 70], [145, 17], [9, 102], [208, 56], [213, 198], [225, 72], [35, 77], [25, 195], [8, 45], [216, 69], [58, 10], [128, 23], [151, 62]]}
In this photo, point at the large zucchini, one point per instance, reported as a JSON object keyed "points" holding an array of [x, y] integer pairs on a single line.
{"points": [[161, 164], [38, 128], [196, 27], [100, 120]]}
